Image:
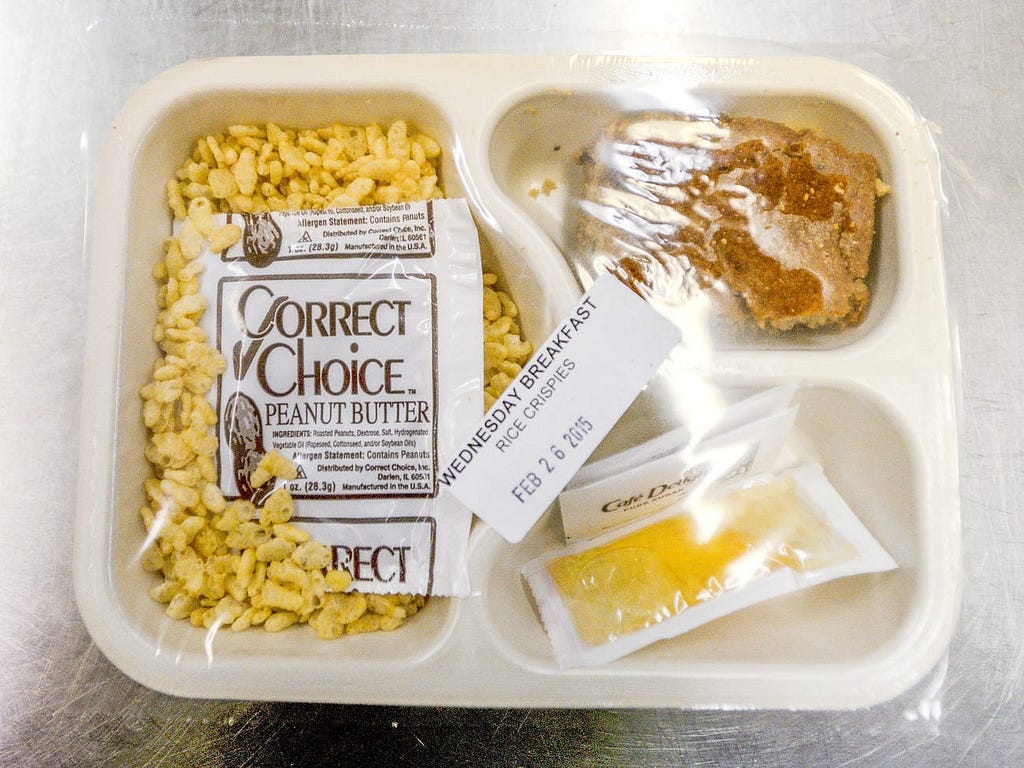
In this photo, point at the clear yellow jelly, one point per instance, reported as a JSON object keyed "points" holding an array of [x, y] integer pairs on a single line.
{"points": [[651, 574]]}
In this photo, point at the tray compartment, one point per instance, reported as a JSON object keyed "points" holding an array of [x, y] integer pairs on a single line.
{"points": [[167, 141], [848, 621], [538, 141]]}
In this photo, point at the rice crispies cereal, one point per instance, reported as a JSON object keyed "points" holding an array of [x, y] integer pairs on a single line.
{"points": [[244, 564]]}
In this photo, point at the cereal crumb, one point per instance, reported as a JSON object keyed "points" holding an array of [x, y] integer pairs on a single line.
{"points": [[546, 188]]}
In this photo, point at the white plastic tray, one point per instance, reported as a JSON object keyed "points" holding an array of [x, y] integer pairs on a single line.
{"points": [[876, 402]]}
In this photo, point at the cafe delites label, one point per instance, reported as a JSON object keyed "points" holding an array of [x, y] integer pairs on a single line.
{"points": [[353, 344], [679, 466]]}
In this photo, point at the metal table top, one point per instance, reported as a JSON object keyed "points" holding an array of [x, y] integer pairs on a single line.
{"points": [[66, 71]]}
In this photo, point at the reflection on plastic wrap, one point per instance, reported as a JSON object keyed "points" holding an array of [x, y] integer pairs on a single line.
{"points": [[776, 224]]}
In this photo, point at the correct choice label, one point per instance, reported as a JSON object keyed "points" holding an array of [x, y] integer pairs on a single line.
{"points": [[333, 371]]}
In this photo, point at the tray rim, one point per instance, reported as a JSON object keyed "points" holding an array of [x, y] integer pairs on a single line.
{"points": [[103, 344]]}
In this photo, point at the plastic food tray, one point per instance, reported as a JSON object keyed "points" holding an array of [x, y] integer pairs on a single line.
{"points": [[876, 402]]}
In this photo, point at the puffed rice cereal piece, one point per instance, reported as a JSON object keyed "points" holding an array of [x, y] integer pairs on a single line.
{"points": [[339, 611]]}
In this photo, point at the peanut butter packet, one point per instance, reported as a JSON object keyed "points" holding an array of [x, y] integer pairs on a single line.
{"points": [[766, 537], [353, 347]]}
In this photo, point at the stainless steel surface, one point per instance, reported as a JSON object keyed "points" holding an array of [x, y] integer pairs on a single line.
{"points": [[64, 71]]}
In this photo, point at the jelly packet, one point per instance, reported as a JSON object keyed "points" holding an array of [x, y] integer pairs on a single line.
{"points": [[747, 542], [353, 344]]}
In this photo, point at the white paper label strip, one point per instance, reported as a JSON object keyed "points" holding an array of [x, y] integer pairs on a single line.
{"points": [[642, 490], [558, 409]]}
